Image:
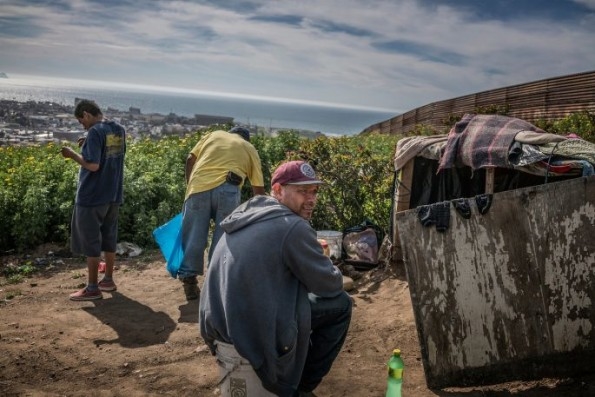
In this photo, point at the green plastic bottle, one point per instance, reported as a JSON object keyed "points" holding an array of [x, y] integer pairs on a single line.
{"points": [[395, 374]]}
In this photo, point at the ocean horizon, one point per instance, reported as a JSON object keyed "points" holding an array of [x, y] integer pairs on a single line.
{"points": [[272, 113]]}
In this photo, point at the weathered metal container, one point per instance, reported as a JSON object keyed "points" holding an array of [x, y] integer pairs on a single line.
{"points": [[507, 294]]}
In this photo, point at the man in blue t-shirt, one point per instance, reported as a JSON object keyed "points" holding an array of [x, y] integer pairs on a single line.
{"points": [[94, 227]]}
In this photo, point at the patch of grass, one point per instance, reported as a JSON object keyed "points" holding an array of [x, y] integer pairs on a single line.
{"points": [[16, 273], [15, 279], [12, 294]]}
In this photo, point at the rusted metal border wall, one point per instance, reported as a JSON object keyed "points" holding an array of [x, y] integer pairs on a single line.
{"points": [[548, 99]]}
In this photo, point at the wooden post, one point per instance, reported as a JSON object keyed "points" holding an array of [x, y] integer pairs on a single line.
{"points": [[489, 189], [402, 203]]}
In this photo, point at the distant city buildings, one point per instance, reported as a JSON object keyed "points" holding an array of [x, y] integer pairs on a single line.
{"points": [[34, 122]]}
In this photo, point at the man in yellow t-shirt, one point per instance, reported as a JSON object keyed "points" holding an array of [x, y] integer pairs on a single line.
{"points": [[216, 169]]}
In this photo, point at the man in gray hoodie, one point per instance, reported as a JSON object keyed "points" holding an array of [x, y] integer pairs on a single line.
{"points": [[272, 293]]}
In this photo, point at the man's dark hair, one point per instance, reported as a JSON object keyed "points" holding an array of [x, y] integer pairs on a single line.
{"points": [[86, 105], [241, 131]]}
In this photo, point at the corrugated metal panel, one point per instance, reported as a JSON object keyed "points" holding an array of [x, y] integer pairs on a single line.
{"points": [[509, 294], [490, 97], [385, 127], [464, 104], [425, 112], [409, 118], [547, 99]]}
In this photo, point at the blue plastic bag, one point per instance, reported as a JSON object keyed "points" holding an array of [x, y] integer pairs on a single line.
{"points": [[169, 238]]}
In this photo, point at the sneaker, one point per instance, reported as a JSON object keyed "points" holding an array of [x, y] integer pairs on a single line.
{"points": [[107, 286], [86, 295], [191, 288], [102, 266]]}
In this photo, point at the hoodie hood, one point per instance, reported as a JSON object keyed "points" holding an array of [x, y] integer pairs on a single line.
{"points": [[257, 209]]}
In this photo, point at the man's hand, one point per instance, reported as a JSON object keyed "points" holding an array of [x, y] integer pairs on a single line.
{"points": [[68, 152]]}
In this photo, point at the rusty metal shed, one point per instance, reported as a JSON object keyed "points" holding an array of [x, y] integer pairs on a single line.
{"points": [[505, 291], [508, 294]]}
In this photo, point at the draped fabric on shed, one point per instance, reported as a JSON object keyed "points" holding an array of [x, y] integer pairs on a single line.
{"points": [[482, 140], [450, 166]]}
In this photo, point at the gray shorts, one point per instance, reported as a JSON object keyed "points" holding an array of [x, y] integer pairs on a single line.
{"points": [[94, 229]]}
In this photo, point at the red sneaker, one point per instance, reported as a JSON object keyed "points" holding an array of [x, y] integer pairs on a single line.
{"points": [[101, 267], [86, 295]]}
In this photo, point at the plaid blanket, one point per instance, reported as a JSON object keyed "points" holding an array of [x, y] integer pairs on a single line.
{"points": [[482, 140]]}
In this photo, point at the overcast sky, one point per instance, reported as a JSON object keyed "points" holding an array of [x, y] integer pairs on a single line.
{"points": [[392, 54]]}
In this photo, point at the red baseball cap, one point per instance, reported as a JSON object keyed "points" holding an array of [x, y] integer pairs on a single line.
{"points": [[295, 173]]}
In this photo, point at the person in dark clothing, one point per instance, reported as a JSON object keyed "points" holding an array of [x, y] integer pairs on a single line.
{"points": [[272, 293], [94, 226]]}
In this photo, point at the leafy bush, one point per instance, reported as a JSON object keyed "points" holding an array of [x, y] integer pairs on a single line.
{"points": [[38, 186], [272, 150], [358, 173], [36, 195], [154, 186], [581, 124]]}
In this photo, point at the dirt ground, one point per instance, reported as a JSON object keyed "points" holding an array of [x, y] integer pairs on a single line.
{"points": [[143, 340]]}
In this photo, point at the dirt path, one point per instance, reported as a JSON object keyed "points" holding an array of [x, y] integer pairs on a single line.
{"points": [[143, 340]]}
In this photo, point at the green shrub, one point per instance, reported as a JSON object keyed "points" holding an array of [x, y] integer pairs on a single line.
{"points": [[154, 186], [38, 186], [358, 173], [581, 124], [36, 195]]}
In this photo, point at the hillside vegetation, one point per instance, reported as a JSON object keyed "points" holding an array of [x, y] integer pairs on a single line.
{"points": [[38, 185]]}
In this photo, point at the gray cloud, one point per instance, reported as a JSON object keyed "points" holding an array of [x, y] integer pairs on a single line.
{"points": [[20, 27], [375, 53]]}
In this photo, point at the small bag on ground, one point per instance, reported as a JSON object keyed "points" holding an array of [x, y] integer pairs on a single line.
{"points": [[361, 244]]}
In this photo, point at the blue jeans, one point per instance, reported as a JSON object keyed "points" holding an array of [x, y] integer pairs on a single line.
{"points": [[199, 209], [330, 322]]}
